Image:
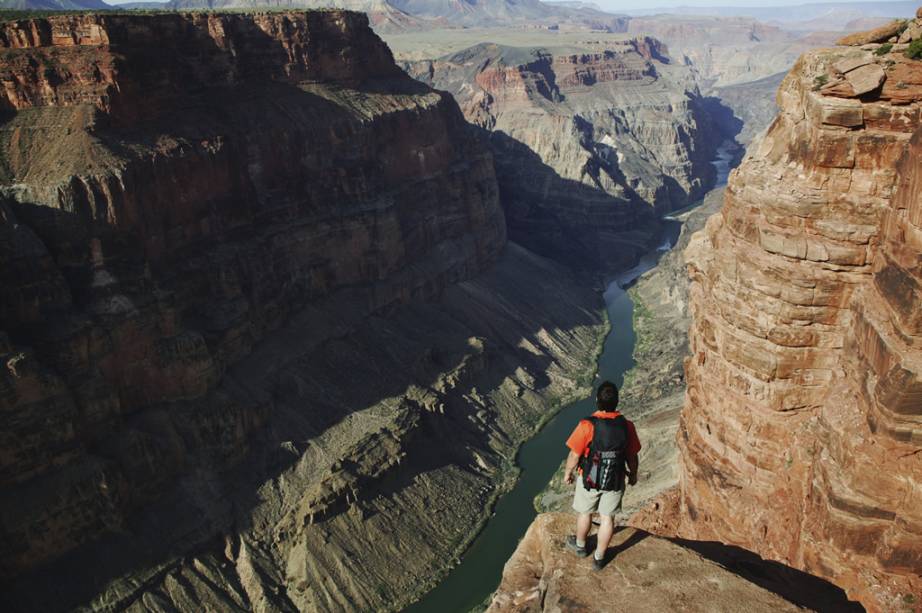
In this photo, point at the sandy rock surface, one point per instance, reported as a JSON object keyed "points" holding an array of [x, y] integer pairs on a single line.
{"points": [[646, 573]]}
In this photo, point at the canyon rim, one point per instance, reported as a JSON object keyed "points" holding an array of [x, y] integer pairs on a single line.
{"points": [[277, 309]]}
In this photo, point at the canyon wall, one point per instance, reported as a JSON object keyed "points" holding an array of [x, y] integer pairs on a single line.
{"points": [[800, 436], [591, 146], [262, 333], [725, 50]]}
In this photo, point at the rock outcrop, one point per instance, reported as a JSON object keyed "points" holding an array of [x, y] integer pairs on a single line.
{"points": [[591, 147], [802, 428], [646, 573], [877, 35], [261, 328]]}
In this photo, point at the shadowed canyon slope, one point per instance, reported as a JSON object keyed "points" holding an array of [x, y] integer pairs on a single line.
{"points": [[592, 143], [800, 437], [262, 330]]}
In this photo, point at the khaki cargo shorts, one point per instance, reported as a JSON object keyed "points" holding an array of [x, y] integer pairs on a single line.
{"points": [[587, 501]]}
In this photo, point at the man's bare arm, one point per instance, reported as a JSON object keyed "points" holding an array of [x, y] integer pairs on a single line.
{"points": [[633, 465], [572, 461]]}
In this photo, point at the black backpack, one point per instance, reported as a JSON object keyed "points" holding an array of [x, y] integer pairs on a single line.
{"points": [[603, 469]]}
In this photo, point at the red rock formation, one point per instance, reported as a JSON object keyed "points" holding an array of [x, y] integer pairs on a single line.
{"points": [[590, 147], [802, 428], [166, 205]]}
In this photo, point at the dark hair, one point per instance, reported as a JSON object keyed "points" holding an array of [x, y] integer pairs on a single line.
{"points": [[606, 397]]}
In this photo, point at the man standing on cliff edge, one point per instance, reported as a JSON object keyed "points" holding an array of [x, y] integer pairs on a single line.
{"points": [[600, 446]]}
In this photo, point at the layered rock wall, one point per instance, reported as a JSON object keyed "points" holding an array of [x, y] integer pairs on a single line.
{"points": [[256, 294], [167, 207], [725, 51], [590, 147], [800, 436]]}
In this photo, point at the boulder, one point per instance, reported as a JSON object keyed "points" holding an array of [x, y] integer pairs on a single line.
{"points": [[912, 32], [853, 62], [839, 88], [877, 35], [866, 78]]}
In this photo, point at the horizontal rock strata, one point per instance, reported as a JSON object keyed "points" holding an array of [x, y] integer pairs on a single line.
{"points": [[590, 147], [800, 436], [259, 317]]}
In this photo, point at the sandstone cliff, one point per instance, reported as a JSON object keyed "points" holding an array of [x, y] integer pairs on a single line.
{"points": [[262, 333], [801, 432], [591, 144]]}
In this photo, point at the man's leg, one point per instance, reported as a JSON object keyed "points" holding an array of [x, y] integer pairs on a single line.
{"points": [[606, 530], [584, 503], [583, 523]]}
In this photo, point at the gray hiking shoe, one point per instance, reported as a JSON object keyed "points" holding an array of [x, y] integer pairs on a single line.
{"points": [[572, 546], [598, 564]]}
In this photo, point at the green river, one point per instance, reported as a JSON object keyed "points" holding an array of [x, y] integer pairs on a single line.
{"points": [[471, 583]]}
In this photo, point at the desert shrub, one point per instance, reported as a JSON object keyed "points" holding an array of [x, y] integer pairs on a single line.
{"points": [[914, 51], [883, 49], [820, 81]]}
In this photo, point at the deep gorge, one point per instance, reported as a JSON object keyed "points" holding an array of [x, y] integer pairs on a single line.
{"points": [[234, 362], [275, 315]]}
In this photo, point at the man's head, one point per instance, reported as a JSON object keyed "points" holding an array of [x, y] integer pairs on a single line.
{"points": [[606, 397]]}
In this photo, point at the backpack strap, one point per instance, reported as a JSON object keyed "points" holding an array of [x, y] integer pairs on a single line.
{"points": [[586, 461]]}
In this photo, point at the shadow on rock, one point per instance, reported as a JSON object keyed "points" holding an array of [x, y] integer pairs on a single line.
{"points": [[796, 586]]}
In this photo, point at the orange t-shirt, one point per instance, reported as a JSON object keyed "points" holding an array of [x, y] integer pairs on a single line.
{"points": [[582, 435]]}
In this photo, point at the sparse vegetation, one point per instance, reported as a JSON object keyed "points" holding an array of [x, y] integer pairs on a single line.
{"points": [[820, 81], [914, 51], [883, 49]]}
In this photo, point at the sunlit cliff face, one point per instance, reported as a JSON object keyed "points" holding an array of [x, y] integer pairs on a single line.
{"points": [[800, 433]]}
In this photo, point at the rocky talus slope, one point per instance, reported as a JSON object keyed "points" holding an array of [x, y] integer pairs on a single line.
{"points": [[262, 333], [591, 144], [801, 435]]}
